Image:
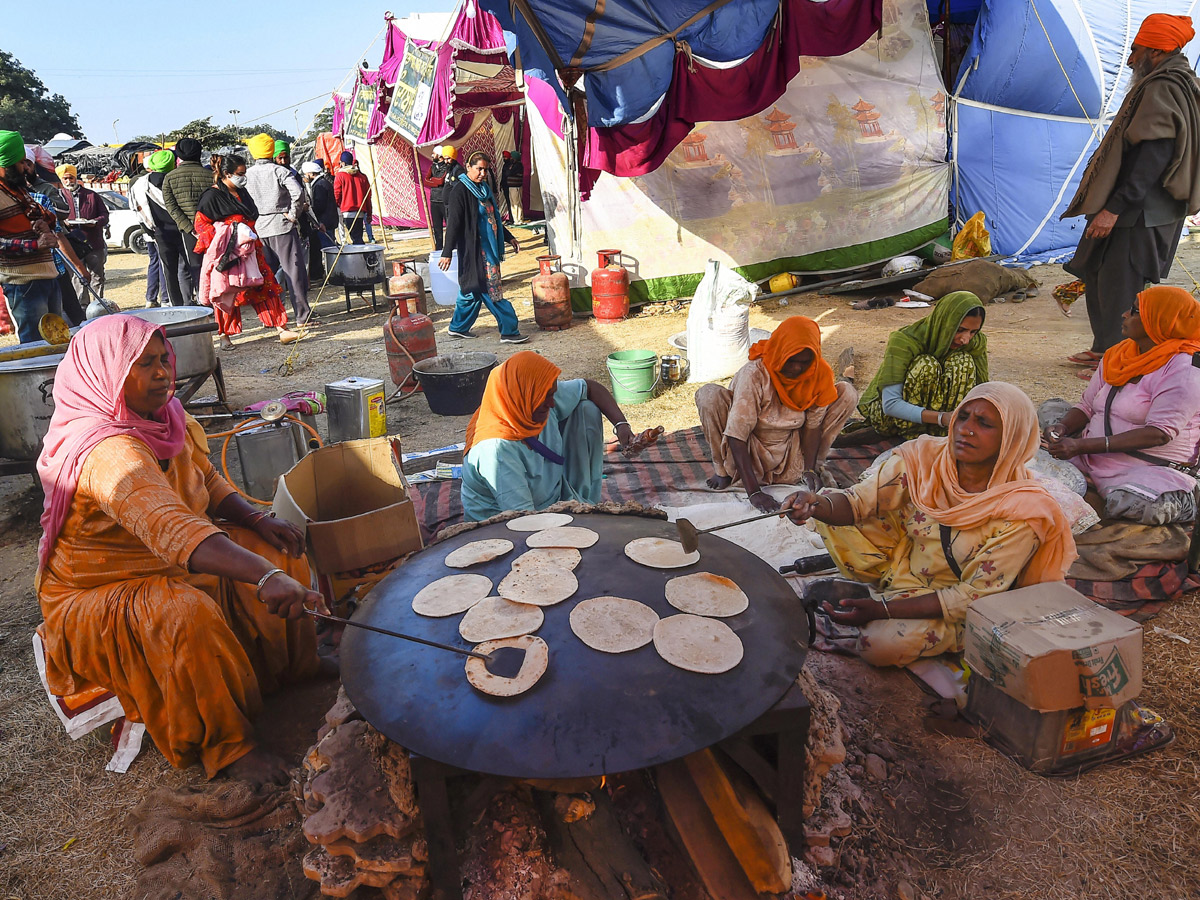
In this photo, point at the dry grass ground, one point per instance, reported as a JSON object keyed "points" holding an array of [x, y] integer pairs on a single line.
{"points": [[1125, 831]]}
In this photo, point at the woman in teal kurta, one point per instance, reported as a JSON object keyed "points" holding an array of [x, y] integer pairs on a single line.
{"points": [[536, 440]]}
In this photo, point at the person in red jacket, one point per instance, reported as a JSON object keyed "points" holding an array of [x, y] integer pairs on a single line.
{"points": [[352, 192]]}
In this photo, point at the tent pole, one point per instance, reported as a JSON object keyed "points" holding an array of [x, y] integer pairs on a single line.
{"points": [[377, 196], [946, 76]]}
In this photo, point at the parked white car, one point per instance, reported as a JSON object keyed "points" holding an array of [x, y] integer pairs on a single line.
{"points": [[124, 231]]}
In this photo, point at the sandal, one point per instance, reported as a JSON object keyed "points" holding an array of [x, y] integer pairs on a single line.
{"points": [[1085, 374], [1085, 358]]}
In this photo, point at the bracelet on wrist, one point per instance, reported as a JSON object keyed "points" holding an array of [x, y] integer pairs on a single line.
{"points": [[262, 581], [883, 603]]}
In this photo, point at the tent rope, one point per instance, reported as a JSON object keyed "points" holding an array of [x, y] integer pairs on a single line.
{"points": [[1074, 93], [645, 47]]}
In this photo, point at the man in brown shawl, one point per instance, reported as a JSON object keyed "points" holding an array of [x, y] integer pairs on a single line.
{"points": [[1141, 183]]}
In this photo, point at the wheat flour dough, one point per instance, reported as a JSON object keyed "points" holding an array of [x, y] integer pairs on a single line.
{"points": [[451, 595], [540, 521], [533, 667], [494, 617], [660, 553], [697, 644], [613, 624], [706, 594], [477, 552], [571, 536], [538, 585]]}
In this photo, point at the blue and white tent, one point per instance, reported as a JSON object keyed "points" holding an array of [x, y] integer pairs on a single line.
{"points": [[1040, 83]]}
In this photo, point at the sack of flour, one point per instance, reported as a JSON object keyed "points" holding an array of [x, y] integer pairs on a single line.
{"points": [[718, 325]]}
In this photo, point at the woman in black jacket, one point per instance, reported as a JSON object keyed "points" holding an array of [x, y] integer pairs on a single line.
{"points": [[474, 229]]}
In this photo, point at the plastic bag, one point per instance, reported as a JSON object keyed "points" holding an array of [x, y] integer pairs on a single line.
{"points": [[973, 240], [900, 265], [718, 325]]}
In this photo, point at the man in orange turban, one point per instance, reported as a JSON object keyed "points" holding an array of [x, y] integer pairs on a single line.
{"points": [[776, 421], [1140, 184]]}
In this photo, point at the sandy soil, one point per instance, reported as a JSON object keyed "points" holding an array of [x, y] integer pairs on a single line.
{"points": [[954, 819]]}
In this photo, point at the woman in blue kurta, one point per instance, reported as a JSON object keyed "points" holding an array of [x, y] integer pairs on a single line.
{"points": [[536, 440]]}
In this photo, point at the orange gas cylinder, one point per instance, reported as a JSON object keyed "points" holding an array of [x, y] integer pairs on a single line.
{"points": [[551, 295], [405, 280], [409, 339], [610, 288]]}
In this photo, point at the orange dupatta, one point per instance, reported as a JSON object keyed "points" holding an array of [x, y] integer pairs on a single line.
{"points": [[1012, 493], [514, 390], [815, 387], [1171, 317]]}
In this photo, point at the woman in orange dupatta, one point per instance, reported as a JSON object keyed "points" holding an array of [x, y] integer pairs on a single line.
{"points": [[536, 440], [776, 421], [941, 523], [156, 581]]}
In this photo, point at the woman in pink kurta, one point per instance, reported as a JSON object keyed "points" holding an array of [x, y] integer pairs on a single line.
{"points": [[1136, 431]]}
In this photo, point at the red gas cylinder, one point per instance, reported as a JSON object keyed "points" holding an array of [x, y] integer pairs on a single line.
{"points": [[610, 288], [408, 339], [405, 280], [551, 295]]}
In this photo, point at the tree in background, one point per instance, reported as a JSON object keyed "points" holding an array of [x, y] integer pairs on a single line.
{"points": [[28, 107], [212, 136]]}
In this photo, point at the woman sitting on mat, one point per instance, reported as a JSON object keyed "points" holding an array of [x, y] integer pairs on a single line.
{"points": [[943, 522], [186, 621], [927, 368], [536, 440], [776, 421], [1136, 432]]}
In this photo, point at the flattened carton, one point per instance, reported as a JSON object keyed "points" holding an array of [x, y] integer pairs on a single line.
{"points": [[1052, 648]]}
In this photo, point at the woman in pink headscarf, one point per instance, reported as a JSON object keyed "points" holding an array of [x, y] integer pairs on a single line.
{"points": [[156, 580]]}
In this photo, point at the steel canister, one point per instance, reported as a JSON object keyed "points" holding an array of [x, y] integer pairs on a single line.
{"points": [[356, 409], [673, 368]]}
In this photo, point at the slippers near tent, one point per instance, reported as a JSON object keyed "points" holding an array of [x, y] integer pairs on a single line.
{"points": [[1087, 358]]}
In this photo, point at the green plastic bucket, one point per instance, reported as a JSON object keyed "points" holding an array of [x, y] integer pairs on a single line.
{"points": [[634, 375]]}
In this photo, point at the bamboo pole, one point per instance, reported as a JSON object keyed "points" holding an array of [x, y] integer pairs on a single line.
{"points": [[376, 196]]}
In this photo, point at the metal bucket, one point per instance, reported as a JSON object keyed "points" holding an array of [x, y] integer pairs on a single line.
{"points": [[354, 265], [26, 404], [194, 353]]}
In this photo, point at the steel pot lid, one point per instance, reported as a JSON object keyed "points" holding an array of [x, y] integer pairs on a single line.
{"points": [[33, 363], [352, 249]]}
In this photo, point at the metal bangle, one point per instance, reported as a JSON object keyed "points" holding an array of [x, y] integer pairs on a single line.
{"points": [[617, 425], [883, 600], [271, 574], [1106, 450]]}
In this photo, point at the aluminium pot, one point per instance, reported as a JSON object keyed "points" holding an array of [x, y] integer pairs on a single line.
{"points": [[26, 404], [354, 265], [194, 352]]}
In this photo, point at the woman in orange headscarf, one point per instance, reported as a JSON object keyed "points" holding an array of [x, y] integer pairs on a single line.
{"points": [[536, 440], [776, 421], [1136, 432], [941, 523]]}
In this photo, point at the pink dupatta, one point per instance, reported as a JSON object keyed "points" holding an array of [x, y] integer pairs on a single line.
{"points": [[89, 406]]}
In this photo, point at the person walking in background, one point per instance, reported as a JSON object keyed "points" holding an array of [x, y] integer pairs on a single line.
{"points": [[87, 212], [280, 200], [352, 192], [474, 229], [324, 212], [156, 283], [181, 190], [180, 287], [512, 181], [442, 170], [1140, 184], [46, 193]]}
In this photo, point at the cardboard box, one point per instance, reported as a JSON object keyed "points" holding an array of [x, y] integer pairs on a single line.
{"points": [[1052, 648], [352, 501]]}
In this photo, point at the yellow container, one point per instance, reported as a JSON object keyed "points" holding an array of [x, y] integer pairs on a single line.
{"points": [[784, 281]]}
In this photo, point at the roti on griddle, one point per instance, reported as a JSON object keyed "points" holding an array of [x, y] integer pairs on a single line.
{"points": [[540, 557], [477, 552], [539, 521], [539, 585], [494, 617], [613, 624], [697, 644], [706, 594], [451, 595], [571, 536], [533, 667], [660, 553]]}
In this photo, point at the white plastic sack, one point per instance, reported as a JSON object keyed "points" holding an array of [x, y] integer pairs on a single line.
{"points": [[900, 265], [718, 325]]}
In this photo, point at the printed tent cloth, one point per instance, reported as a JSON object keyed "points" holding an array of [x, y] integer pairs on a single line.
{"points": [[652, 70]]}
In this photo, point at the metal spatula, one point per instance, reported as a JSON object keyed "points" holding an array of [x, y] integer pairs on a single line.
{"points": [[689, 535], [505, 662]]}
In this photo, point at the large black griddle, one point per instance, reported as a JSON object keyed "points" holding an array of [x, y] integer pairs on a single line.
{"points": [[592, 713]]}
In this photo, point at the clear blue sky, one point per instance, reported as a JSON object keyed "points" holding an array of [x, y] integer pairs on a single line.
{"points": [[156, 67]]}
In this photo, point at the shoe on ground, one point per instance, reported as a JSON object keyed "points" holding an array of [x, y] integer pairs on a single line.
{"points": [[459, 334], [514, 339], [288, 337], [152, 304], [225, 343]]}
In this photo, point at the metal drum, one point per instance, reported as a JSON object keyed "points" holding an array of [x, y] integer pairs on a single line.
{"points": [[354, 265], [194, 353], [26, 404]]}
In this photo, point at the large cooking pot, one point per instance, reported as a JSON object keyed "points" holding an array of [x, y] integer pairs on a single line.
{"points": [[26, 404], [194, 352], [354, 265]]}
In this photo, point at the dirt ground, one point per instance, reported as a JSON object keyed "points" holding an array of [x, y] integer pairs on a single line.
{"points": [[953, 819]]}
